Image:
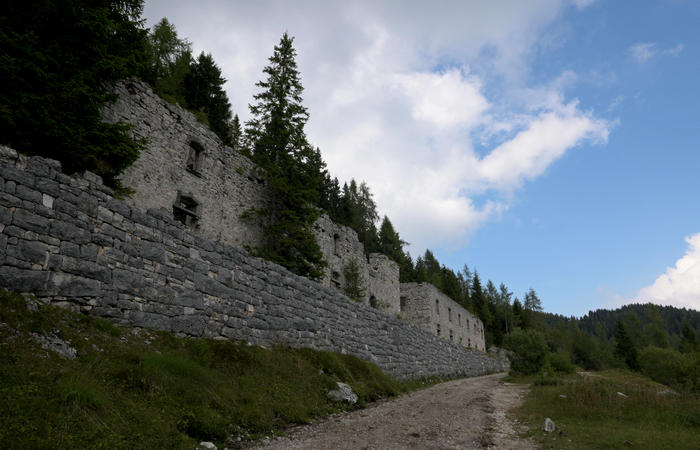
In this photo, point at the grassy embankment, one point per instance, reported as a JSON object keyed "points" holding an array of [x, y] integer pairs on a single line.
{"points": [[589, 412], [147, 389]]}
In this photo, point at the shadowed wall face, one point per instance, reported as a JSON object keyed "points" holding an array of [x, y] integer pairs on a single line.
{"points": [[68, 240]]}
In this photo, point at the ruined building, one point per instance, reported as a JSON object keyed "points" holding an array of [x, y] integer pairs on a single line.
{"points": [[187, 172]]}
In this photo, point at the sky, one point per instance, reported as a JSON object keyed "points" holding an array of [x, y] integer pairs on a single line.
{"points": [[548, 144]]}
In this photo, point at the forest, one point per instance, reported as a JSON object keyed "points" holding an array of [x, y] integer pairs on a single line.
{"points": [[58, 60]]}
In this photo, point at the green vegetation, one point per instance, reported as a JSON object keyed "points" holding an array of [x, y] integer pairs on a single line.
{"points": [[589, 412], [354, 283], [57, 61], [293, 167], [194, 83], [130, 388]]}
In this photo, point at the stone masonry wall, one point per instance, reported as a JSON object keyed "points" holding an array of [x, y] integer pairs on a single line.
{"points": [[183, 158], [424, 305], [66, 239], [225, 184]]}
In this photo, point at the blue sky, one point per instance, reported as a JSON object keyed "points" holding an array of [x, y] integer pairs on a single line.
{"points": [[549, 144]]}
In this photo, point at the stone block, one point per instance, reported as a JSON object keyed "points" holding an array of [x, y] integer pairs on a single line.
{"points": [[30, 221], [19, 176], [30, 251], [69, 232], [69, 285], [23, 280], [47, 186], [127, 281], [152, 251], [27, 193], [5, 215]]}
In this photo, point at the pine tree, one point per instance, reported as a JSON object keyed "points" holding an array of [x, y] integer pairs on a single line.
{"points": [[688, 338], [205, 95], [171, 58], [279, 145], [237, 135], [624, 348]]}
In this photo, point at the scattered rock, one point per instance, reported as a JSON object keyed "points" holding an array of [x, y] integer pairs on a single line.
{"points": [[548, 425], [206, 444], [55, 344], [665, 392], [621, 395], [562, 395], [344, 393]]}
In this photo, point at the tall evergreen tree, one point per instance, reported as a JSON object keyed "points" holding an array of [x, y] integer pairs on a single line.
{"points": [[237, 135], [171, 58], [279, 146], [624, 348], [204, 94]]}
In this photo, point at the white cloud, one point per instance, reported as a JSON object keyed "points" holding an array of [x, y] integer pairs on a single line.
{"points": [[644, 52], [401, 93], [582, 4], [679, 285]]}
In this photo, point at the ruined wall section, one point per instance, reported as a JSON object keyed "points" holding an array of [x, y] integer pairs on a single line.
{"points": [[339, 246], [67, 240], [183, 158], [424, 305], [384, 286]]}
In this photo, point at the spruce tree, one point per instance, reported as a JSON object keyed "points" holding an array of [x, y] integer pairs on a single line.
{"points": [[205, 95], [237, 135], [624, 348], [279, 145]]}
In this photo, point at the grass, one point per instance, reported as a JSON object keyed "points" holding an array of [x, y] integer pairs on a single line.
{"points": [[590, 414], [146, 389]]}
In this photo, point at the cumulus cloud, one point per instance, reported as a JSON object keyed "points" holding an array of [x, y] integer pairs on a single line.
{"points": [[402, 93], [679, 285], [644, 52]]}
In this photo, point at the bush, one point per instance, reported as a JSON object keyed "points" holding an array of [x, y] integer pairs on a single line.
{"points": [[529, 348], [671, 367], [560, 362]]}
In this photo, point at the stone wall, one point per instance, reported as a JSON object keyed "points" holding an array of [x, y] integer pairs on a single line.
{"points": [[424, 305], [183, 158], [66, 239]]}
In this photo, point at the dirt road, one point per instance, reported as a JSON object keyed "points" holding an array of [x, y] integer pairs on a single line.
{"points": [[463, 414]]}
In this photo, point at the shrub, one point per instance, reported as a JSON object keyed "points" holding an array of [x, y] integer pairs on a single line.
{"points": [[560, 362], [529, 348], [671, 367]]}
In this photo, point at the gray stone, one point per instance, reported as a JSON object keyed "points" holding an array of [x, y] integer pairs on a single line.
{"points": [[343, 393], [68, 285], [548, 426], [56, 345], [30, 221], [30, 251], [22, 280], [69, 232]]}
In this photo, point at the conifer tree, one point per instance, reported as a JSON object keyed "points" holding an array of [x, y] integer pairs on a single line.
{"points": [[58, 61], [236, 135], [205, 95], [279, 145], [624, 348]]}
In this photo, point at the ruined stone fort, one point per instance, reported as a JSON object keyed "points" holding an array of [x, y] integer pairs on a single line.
{"points": [[172, 255]]}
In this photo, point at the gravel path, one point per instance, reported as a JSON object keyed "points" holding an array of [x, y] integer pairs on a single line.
{"points": [[463, 414]]}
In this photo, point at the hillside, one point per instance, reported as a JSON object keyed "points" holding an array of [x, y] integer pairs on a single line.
{"points": [[71, 381]]}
